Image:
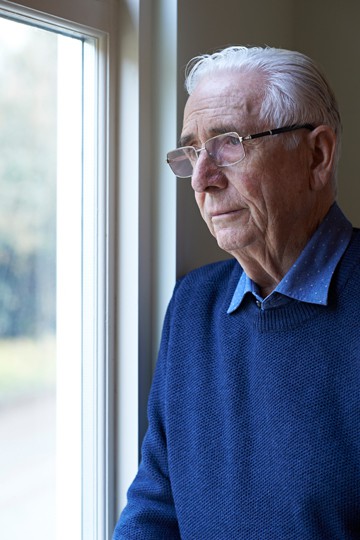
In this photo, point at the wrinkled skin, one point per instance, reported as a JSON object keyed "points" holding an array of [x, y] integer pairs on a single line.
{"points": [[264, 209]]}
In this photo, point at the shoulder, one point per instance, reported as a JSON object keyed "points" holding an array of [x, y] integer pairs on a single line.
{"points": [[215, 280]]}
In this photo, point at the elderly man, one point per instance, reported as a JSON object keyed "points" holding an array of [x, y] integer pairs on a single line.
{"points": [[254, 418]]}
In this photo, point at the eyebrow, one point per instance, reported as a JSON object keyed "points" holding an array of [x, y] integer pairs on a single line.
{"points": [[187, 140]]}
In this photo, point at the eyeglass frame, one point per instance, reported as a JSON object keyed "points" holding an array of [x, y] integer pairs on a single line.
{"points": [[275, 131]]}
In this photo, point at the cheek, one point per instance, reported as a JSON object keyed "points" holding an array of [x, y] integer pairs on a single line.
{"points": [[200, 201], [199, 198], [250, 191], [264, 184]]}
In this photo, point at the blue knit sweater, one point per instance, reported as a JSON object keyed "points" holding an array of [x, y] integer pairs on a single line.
{"points": [[254, 417]]}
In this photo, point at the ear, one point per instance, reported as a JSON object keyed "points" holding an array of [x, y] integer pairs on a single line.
{"points": [[322, 142]]}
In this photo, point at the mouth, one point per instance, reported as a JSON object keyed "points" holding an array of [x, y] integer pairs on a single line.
{"points": [[223, 214]]}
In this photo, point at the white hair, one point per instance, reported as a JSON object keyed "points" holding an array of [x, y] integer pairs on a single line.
{"points": [[295, 89]]}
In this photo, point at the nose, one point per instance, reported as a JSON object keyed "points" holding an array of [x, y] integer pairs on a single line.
{"points": [[206, 174]]}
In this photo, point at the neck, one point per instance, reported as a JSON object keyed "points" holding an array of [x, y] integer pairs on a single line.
{"points": [[268, 261]]}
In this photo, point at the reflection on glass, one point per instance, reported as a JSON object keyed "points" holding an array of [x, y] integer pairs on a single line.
{"points": [[28, 112]]}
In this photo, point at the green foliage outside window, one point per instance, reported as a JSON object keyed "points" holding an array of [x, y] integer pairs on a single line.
{"points": [[27, 184]]}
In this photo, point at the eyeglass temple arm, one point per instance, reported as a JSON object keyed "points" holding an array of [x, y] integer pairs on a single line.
{"points": [[278, 130]]}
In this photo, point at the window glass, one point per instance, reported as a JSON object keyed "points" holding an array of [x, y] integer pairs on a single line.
{"points": [[30, 363]]}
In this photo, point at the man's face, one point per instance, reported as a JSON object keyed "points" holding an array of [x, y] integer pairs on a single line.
{"points": [[260, 202]]}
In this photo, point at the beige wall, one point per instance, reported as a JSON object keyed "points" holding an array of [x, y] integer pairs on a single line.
{"points": [[329, 32], [326, 30]]}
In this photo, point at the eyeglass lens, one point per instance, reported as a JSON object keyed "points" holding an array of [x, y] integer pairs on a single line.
{"points": [[182, 160], [225, 150]]}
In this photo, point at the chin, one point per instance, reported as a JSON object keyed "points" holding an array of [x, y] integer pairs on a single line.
{"points": [[230, 243]]}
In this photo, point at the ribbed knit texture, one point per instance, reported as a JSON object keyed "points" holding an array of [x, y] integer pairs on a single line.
{"points": [[254, 417]]}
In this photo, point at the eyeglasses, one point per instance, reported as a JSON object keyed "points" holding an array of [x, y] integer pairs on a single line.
{"points": [[225, 150]]}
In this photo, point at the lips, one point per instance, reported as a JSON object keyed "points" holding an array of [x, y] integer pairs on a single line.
{"points": [[224, 213]]}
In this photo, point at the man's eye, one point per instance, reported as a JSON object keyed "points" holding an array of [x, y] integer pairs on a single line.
{"points": [[233, 141]]}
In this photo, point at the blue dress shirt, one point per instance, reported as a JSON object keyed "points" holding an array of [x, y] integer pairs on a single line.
{"points": [[308, 280]]}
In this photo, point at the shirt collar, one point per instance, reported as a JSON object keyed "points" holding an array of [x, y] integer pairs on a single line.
{"points": [[308, 280]]}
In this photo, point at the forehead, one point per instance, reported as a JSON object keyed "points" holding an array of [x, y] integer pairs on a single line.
{"points": [[226, 100]]}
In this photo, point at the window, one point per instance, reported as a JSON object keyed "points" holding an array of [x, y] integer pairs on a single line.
{"points": [[53, 349], [27, 279], [112, 207]]}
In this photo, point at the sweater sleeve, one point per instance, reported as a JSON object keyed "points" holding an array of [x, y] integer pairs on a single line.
{"points": [[150, 512]]}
